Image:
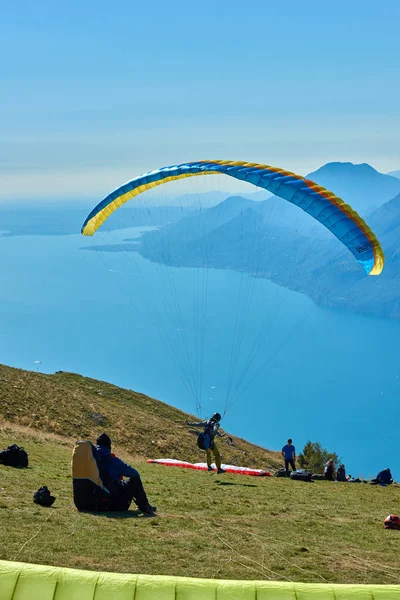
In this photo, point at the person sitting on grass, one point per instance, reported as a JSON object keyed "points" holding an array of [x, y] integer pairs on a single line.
{"points": [[329, 472], [384, 477], [211, 427], [113, 470], [341, 473]]}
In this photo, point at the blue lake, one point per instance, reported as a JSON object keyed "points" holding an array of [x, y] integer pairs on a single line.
{"points": [[184, 335]]}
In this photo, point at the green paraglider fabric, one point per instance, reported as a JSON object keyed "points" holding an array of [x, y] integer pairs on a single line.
{"points": [[19, 581]]}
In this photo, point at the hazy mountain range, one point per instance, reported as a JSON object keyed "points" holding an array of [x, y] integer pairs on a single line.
{"points": [[360, 185], [276, 240], [269, 238]]}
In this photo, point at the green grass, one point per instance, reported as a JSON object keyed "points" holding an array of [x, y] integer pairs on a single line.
{"points": [[227, 526]]}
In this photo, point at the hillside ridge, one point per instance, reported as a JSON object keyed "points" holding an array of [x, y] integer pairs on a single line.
{"points": [[75, 406]]}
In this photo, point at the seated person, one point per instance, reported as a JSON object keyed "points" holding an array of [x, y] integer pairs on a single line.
{"points": [[384, 477], [112, 471], [329, 472], [341, 473]]}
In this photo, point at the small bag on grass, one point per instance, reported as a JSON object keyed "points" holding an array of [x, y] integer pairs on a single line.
{"points": [[14, 456]]}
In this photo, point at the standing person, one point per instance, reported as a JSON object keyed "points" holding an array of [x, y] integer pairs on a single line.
{"points": [[211, 428], [289, 454], [330, 473], [112, 471]]}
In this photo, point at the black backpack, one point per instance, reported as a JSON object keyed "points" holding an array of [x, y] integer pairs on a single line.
{"points": [[281, 473], [14, 456], [42, 496], [204, 439], [301, 475]]}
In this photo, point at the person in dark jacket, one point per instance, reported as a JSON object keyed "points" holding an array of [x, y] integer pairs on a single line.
{"points": [[112, 472], [341, 473], [329, 472], [384, 477]]}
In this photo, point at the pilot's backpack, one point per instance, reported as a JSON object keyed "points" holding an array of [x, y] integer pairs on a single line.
{"points": [[90, 492], [301, 475], [281, 473], [204, 439], [14, 456]]}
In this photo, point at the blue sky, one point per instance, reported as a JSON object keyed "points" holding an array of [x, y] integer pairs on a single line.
{"points": [[94, 93]]}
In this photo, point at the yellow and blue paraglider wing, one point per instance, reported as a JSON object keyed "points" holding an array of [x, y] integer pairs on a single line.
{"points": [[330, 210]]}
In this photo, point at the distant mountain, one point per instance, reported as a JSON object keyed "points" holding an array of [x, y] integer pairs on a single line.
{"points": [[268, 238], [209, 199], [211, 242], [387, 218], [206, 219], [360, 185], [187, 239], [355, 291], [204, 199], [253, 237]]}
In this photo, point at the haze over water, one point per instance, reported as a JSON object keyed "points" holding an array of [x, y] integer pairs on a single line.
{"points": [[329, 376]]}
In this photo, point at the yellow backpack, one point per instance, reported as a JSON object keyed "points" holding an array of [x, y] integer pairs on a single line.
{"points": [[89, 490]]}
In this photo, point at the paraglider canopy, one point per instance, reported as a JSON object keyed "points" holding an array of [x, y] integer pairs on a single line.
{"points": [[323, 205], [197, 240]]}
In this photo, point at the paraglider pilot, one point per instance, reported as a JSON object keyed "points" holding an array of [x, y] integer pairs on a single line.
{"points": [[211, 428]]}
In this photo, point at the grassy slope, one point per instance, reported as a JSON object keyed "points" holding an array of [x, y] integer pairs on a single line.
{"points": [[72, 405], [209, 525]]}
